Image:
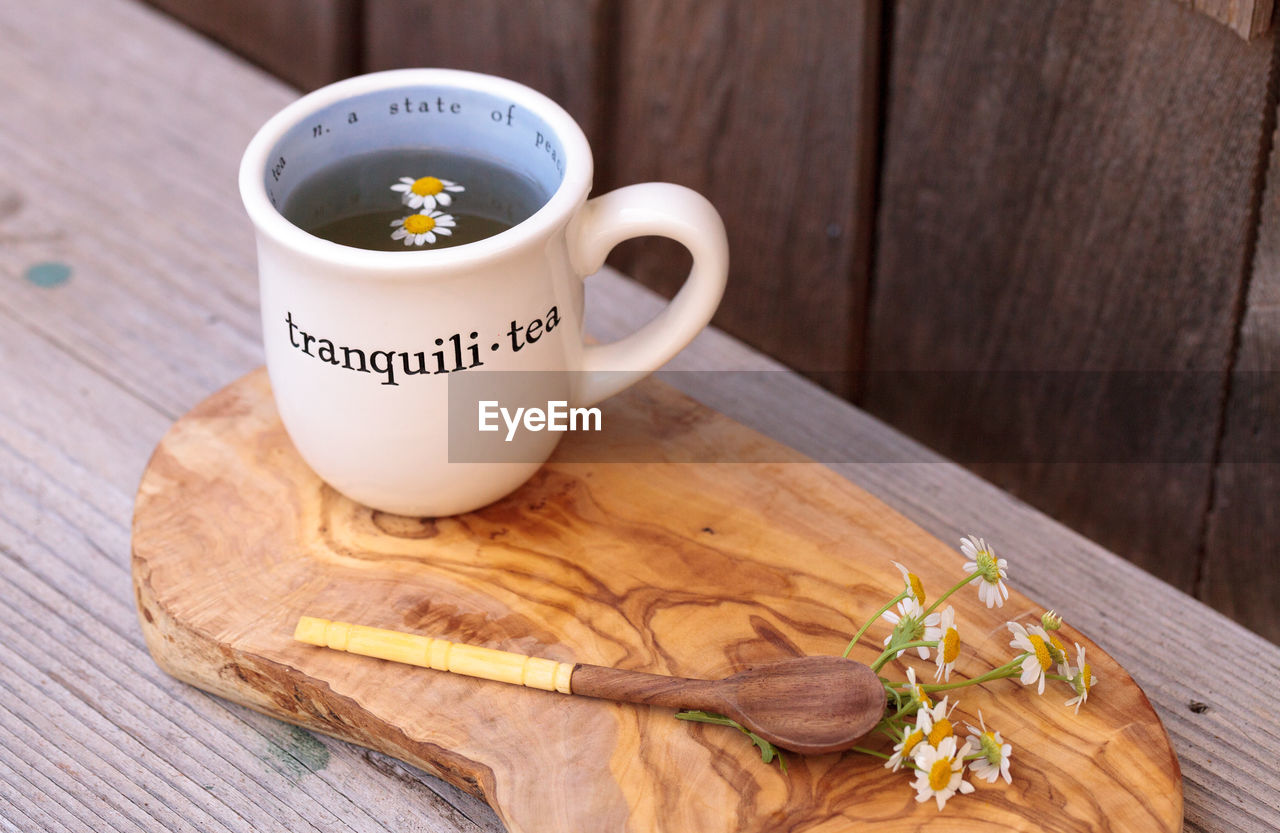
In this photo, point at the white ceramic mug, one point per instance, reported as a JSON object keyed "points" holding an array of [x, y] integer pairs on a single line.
{"points": [[343, 327]]}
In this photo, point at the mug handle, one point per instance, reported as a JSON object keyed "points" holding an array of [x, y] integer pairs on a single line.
{"points": [[665, 210]]}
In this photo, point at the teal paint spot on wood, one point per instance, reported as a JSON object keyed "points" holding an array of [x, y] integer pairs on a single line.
{"points": [[48, 274], [299, 753]]}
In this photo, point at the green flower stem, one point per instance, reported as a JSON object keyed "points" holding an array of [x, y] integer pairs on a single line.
{"points": [[893, 692], [1007, 670], [947, 594], [898, 720], [873, 752], [893, 650], [870, 621], [708, 717], [889, 733]]}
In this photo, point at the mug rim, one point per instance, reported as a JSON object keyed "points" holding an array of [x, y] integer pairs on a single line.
{"points": [[268, 219]]}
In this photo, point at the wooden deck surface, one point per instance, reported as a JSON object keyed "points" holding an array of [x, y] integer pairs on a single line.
{"points": [[130, 295]]}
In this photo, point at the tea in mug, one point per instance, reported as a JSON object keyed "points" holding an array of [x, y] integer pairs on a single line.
{"points": [[412, 199]]}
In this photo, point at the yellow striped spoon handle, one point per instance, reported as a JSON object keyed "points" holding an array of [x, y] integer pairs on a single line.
{"points": [[439, 654]]}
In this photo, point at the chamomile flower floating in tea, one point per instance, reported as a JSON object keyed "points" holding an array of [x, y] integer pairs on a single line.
{"points": [[351, 201], [426, 192], [417, 229]]}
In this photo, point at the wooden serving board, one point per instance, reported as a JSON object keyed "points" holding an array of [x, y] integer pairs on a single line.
{"points": [[695, 569]]}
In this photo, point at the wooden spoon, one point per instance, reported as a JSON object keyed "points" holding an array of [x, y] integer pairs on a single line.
{"points": [[809, 705]]}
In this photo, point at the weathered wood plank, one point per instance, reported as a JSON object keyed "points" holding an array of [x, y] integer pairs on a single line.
{"points": [[1241, 573], [100, 712], [558, 47], [768, 110], [77, 422], [1067, 190], [307, 43], [1247, 18]]}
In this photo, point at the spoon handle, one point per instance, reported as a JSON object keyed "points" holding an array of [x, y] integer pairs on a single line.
{"points": [[649, 689], [439, 654], [517, 669]]}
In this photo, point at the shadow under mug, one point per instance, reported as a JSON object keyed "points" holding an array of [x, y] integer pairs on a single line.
{"points": [[360, 345]]}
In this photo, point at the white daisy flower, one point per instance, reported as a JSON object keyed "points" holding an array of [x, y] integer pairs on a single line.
{"points": [[916, 691], [911, 742], [938, 720], [416, 229], [910, 625], [991, 589], [1082, 679], [913, 585], [1057, 652], [940, 773], [426, 192], [1038, 659], [948, 646], [995, 753]]}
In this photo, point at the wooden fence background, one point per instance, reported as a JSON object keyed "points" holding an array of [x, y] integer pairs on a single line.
{"points": [[988, 223]]}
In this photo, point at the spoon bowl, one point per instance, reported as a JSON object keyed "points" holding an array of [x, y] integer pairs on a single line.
{"points": [[811, 705]]}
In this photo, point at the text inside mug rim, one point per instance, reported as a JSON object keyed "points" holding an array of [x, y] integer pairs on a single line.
{"points": [[301, 115]]}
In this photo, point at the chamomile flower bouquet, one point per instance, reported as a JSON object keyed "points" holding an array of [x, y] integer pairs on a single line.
{"points": [[942, 758]]}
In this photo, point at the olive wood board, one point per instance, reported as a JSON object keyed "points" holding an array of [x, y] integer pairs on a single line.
{"points": [[691, 569]]}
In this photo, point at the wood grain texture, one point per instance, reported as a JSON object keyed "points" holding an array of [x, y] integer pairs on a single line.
{"points": [[691, 570], [555, 46], [307, 43], [1247, 18], [1068, 190], [768, 110], [1241, 566]]}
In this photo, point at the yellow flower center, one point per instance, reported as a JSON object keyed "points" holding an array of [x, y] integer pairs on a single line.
{"points": [[940, 774], [940, 731], [1042, 652], [917, 587], [419, 224], [911, 741], [950, 645], [428, 186], [1086, 676], [1058, 650]]}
